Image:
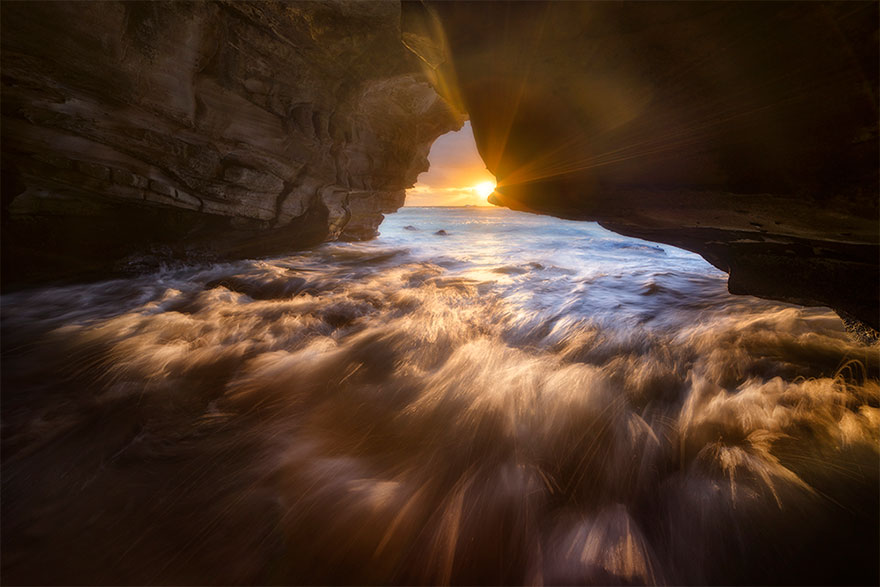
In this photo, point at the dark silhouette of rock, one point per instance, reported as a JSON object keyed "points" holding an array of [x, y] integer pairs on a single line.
{"points": [[746, 132], [410, 227], [441, 232]]}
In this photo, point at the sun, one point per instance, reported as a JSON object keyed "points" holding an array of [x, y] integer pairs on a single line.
{"points": [[485, 188]]}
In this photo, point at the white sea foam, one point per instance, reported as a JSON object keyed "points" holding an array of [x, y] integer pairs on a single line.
{"points": [[524, 401]]}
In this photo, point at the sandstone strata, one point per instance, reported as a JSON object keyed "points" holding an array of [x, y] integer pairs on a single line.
{"points": [[746, 132], [141, 132]]}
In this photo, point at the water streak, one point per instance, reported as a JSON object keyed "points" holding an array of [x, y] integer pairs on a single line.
{"points": [[525, 400]]}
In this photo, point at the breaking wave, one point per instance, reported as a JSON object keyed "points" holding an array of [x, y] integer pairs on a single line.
{"points": [[526, 400]]}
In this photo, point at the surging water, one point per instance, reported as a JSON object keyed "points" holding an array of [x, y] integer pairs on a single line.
{"points": [[521, 400]]}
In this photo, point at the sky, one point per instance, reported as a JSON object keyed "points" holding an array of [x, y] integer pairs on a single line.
{"points": [[456, 168]]}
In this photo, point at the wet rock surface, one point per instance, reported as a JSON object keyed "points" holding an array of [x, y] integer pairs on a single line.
{"points": [[208, 130], [746, 132]]}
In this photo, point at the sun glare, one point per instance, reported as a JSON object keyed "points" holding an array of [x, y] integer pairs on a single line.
{"points": [[485, 188], [457, 175]]}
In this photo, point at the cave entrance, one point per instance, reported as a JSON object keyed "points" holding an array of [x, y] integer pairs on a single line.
{"points": [[457, 174]]}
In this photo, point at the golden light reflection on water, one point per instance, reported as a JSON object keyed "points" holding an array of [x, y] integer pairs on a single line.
{"points": [[365, 417]]}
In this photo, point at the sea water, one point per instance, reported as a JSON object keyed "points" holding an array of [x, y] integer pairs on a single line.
{"points": [[478, 396]]}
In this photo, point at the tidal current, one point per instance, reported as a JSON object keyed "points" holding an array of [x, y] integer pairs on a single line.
{"points": [[519, 400]]}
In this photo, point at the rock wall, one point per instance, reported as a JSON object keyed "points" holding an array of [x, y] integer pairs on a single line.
{"points": [[138, 132], [745, 131]]}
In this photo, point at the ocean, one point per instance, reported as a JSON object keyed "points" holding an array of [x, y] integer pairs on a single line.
{"points": [[478, 396]]}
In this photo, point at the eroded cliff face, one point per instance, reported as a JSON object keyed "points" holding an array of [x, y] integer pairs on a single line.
{"points": [[746, 132], [135, 133]]}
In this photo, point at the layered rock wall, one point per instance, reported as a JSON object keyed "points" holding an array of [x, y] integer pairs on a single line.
{"points": [[203, 130]]}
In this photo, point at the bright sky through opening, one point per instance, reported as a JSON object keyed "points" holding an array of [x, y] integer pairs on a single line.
{"points": [[457, 177]]}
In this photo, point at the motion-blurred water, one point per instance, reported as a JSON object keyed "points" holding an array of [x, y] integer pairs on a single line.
{"points": [[520, 400]]}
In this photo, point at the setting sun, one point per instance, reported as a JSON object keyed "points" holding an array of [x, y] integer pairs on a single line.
{"points": [[372, 292], [485, 188], [457, 176]]}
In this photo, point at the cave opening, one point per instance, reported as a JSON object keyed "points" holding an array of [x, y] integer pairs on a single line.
{"points": [[273, 387], [457, 175]]}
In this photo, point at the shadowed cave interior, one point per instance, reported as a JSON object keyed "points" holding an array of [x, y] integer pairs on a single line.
{"points": [[231, 355]]}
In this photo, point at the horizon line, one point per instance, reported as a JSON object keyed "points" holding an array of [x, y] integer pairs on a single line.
{"points": [[462, 206]]}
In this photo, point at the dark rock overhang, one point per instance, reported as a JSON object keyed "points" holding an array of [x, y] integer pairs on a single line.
{"points": [[746, 132]]}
